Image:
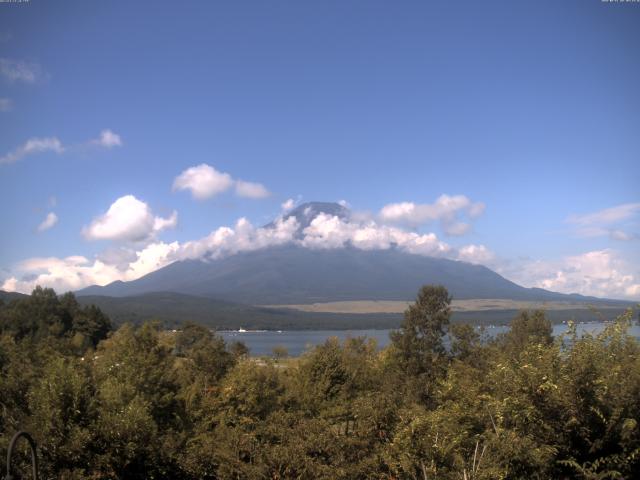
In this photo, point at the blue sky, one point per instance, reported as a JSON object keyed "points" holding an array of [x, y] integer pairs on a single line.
{"points": [[530, 108]]}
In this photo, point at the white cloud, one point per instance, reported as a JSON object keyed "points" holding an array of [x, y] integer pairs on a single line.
{"points": [[446, 209], [476, 254], [203, 181], [607, 215], [75, 272], [20, 71], [243, 237], [327, 231], [288, 205], [119, 256], [475, 210], [151, 258], [397, 212], [456, 229], [128, 219], [50, 220], [610, 222], [62, 274], [622, 236], [600, 273], [251, 189], [33, 146], [107, 139], [160, 223], [5, 104]]}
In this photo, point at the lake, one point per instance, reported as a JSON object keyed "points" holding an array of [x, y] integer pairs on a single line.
{"points": [[296, 342]]}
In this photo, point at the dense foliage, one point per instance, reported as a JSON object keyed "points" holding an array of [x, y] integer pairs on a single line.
{"points": [[141, 402]]}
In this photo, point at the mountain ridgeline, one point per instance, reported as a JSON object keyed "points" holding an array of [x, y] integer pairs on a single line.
{"points": [[292, 274]]}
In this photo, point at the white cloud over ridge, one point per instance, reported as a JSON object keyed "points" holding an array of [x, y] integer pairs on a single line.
{"points": [[75, 272], [446, 209], [288, 205], [128, 219], [600, 273], [476, 254], [204, 181], [50, 220]]}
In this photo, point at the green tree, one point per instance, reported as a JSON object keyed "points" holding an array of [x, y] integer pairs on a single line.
{"points": [[418, 347], [38, 316], [527, 328], [465, 342], [91, 324], [139, 412], [62, 410], [44, 315]]}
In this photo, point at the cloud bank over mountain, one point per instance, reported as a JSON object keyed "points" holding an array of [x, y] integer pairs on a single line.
{"points": [[131, 220], [128, 220]]}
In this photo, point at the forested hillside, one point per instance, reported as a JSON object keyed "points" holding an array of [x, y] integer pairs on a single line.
{"points": [[141, 402]]}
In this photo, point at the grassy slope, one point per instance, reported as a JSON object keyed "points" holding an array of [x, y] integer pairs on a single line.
{"points": [[469, 305]]}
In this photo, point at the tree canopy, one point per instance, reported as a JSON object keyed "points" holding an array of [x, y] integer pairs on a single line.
{"points": [[438, 403]]}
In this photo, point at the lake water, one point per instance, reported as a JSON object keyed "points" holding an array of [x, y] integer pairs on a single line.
{"points": [[261, 343]]}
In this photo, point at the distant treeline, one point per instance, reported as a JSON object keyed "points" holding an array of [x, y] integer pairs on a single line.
{"points": [[139, 402], [173, 309]]}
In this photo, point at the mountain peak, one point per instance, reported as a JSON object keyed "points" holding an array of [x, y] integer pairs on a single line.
{"points": [[313, 209]]}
